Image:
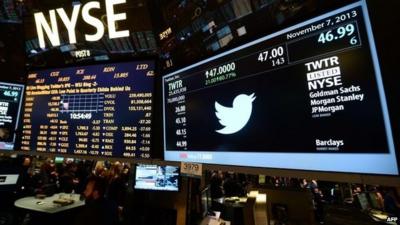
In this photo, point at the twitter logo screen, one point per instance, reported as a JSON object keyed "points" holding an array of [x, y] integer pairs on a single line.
{"points": [[301, 98], [236, 117]]}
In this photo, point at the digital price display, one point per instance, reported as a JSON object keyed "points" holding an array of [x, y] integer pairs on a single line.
{"points": [[98, 110], [308, 97], [10, 105]]}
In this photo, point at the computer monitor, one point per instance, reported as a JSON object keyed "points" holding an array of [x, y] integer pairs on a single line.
{"points": [[373, 200], [158, 178], [363, 201]]}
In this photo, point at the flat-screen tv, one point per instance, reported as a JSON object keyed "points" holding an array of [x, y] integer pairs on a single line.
{"points": [[308, 97], [363, 201], [97, 110], [10, 106], [155, 177], [8, 182], [373, 198]]}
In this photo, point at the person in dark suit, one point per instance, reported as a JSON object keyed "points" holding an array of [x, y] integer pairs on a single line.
{"points": [[318, 205], [97, 210]]}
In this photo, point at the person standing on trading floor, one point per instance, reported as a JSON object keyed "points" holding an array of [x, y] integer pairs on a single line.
{"points": [[216, 190], [97, 210], [318, 205]]}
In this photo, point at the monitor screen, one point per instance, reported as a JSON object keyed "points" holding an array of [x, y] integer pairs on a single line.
{"points": [[8, 179], [10, 105], [154, 177], [373, 197], [308, 97], [97, 110], [363, 201]]}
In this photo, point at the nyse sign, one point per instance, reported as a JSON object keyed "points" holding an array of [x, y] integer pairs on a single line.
{"points": [[51, 28]]}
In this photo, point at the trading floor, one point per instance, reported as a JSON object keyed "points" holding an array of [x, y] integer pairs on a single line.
{"points": [[199, 112]]}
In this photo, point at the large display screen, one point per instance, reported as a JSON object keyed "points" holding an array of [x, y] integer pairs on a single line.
{"points": [[98, 110], [10, 105], [308, 97], [154, 177]]}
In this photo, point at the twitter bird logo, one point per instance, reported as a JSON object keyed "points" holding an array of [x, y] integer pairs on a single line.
{"points": [[235, 118]]}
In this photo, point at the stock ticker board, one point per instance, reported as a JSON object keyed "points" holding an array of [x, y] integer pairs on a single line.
{"points": [[97, 110], [307, 97]]}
